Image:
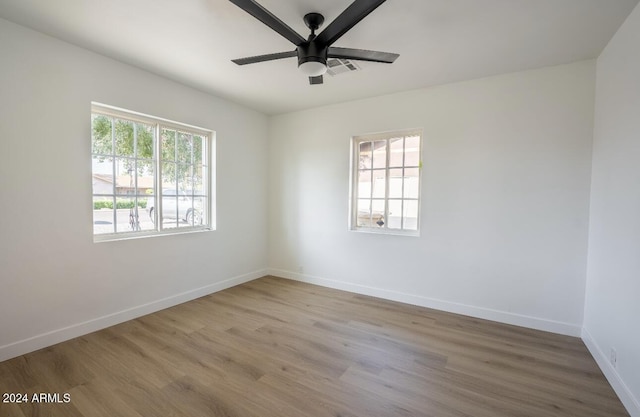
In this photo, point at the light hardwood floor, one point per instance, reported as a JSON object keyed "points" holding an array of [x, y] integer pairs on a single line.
{"points": [[274, 347]]}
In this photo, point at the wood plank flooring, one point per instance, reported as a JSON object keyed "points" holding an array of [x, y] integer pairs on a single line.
{"points": [[274, 347]]}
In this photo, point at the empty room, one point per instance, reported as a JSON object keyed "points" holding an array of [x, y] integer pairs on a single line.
{"points": [[354, 208]]}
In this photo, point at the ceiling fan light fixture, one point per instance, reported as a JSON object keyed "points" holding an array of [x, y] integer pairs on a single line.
{"points": [[313, 68]]}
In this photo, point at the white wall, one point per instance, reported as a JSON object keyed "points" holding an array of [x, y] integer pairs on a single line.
{"points": [[56, 283], [505, 197], [612, 311]]}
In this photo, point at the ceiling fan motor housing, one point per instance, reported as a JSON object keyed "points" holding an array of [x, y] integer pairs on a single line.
{"points": [[312, 52]]}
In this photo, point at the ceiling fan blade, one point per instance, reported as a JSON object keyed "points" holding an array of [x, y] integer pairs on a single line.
{"points": [[316, 80], [266, 17], [357, 11], [263, 58], [361, 55]]}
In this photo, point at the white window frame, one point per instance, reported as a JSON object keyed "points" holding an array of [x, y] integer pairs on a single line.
{"points": [[354, 184], [208, 175]]}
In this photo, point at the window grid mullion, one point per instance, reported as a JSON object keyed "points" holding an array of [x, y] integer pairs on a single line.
{"points": [[357, 180], [191, 169], [371, 186], [158, 178], [134, 174], [175, 174], [404, 154], [204, 152], [387, 182], [114, 184]]}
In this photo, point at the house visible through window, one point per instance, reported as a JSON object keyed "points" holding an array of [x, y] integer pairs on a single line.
{"points": [[150, 176], [386, 182]]}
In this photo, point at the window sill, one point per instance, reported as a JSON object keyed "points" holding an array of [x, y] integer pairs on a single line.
{"points": [[142, 235], [410, 233]]}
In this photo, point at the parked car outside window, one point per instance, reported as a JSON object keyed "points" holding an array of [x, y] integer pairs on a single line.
{"points": [[177, 205]]}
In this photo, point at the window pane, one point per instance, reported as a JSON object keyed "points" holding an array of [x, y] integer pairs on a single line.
{"points": [[364, 213], [379, 183], [192, 212], [395, 183], [124, 137], [198, 150], [146, 180], [198, 180], [102, 164], [101, 141], [411, 182], [412, 151], [168, 144], [395, 214], [168, 176], [145, 221], [145, 144], [138, 217], [364, 183], [410, 215], [102, 215], [125, 173], [145, 166], [126, 220], [132, 182], [377, 214], [364, 153], [396, 152], [103, 183], [169, 215], [184, 146], [201, 211], [184, 177], [147, 214], [380, 154]]}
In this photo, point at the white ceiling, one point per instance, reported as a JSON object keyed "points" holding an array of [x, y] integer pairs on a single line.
{"points": [[439, 41]]}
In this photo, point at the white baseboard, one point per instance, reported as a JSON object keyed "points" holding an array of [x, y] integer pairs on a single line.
{"points": [[40, 341], [467, 310], [631, 403]]}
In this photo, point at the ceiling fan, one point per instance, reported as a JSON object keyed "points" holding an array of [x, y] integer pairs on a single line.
{"points": [[313, 52]]}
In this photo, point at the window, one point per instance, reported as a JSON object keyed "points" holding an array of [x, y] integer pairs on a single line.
{"points": [[150, 176], [385, 191]]}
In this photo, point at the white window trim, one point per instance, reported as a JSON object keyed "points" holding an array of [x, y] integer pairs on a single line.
{"points": [[209, 178], [353, 183]]}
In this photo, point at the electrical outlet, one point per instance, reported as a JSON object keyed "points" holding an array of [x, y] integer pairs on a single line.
{"points": [[613, 357], [301, 269]]}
